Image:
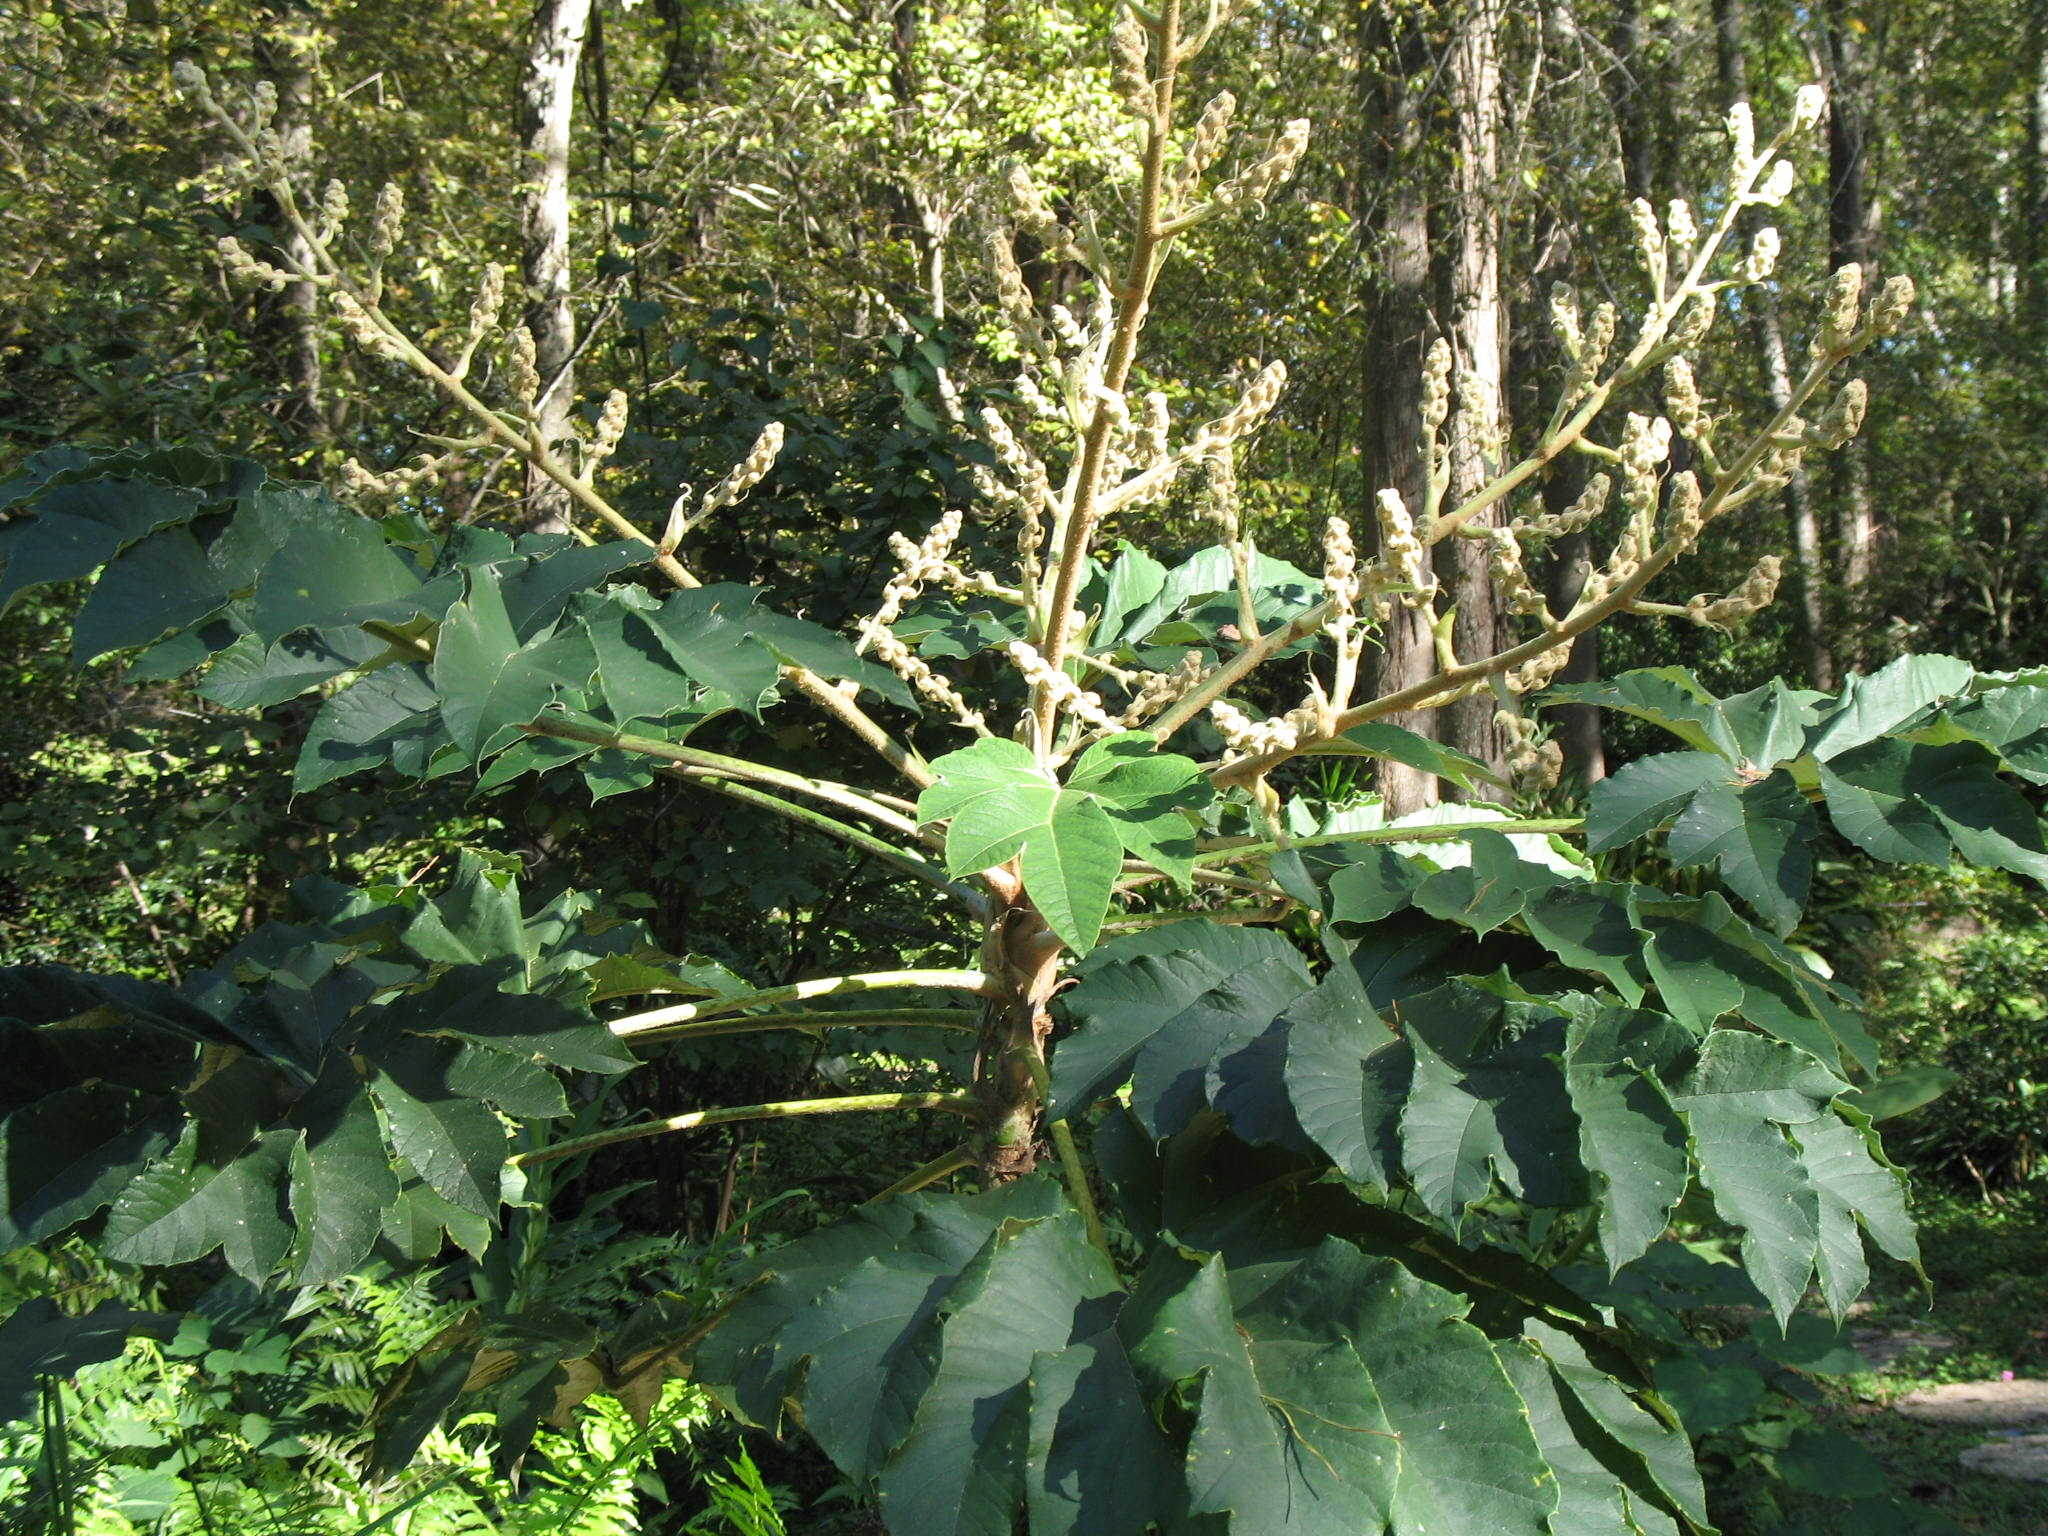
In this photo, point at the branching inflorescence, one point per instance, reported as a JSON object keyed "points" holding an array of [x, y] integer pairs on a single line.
{"points": [[1087, 446]]}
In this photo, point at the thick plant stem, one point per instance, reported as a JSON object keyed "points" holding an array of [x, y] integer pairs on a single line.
{"points": [[768, 1023], [918, 1178], [1558, 826], [913, 864], [1076, 1173], [1077, 529], [978, 982], [1022, 956], [860, 1103], [731, 767]]}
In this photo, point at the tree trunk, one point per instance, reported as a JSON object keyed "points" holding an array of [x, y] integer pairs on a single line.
{"points": [[1393, 219], [1852, 237], [1479, 343], [2030, 256], [1761, 303], [547, 104], [1024, 955]]}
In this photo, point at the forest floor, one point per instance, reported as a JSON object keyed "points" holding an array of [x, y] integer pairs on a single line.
{"points": [[1988, 1322]]}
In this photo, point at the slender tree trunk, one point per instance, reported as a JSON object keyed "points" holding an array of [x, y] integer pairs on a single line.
{"points": [[2030, 256], [547, 106], [1479, 342], [1024, 955], [1393, 220], [1761, 303], [286, 53], [1852, 237]]}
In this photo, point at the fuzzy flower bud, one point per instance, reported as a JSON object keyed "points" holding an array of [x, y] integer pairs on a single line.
{"points": [[1564, 319], [1682, 509], [1205, 144], [490, 299], [1537, 764], [1679, 226], [1682, 400], [753, 469], [1028, 206], [1776, 185], [1840, 310], [333, 206], [522, 378], [1763, 255], [611, 427], [1436, 386], [1403, 552], [1742, 136], [388, 221], [1893, 304], [1758, 590], [1843, 419], [1258, 183], [1649, 239], [1130, 65], [361, 329], [246, 268], [1253, 406], [1696, 320], [190, 80], [1808, 105]]}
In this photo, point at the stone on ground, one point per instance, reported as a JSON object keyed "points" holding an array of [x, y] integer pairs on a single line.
{"points": [[1981, 1404], [2024, 1456], [1884, 1348]]}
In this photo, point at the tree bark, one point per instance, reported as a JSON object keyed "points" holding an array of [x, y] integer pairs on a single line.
{"points": [[1479, 344], [1761, 303], [2030, 256], [1852, 237], [1393, 219], [547, 106], [1024, 955]]}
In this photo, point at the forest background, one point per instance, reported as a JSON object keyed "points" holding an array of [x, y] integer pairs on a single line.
{"points": [[744, 211]]}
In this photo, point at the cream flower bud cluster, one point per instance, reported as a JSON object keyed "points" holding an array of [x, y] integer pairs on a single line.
{"points": [[1248, 737], [489, 302], [1258, 183], [1535, 674], [1808, 105], [1683, 503], [1776, 185], [1130, 65], [1436, 386], [1694, 321], [1218, 505], [1014, 299], [1843, 418], [899, 658], [1564, 320], [1205, 145], [1682, 401], [1840, 310], [1511, 576], [1741, 125], [1340, 569], [1584, 372], [387, 221], [611, 428], [1035, 217], [1649, 240], [1586, 506], [1762, 259], [1066, 694], [1757, 592], [392, 483], [243, 267], [1894, 302], [522, 376], [917, 564], [1157, 690], [357, 325], [1403, 553], [1252, 407], [752, 470], [1645, 445], [1680, 228], [333, 209], [1537, 763]]}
